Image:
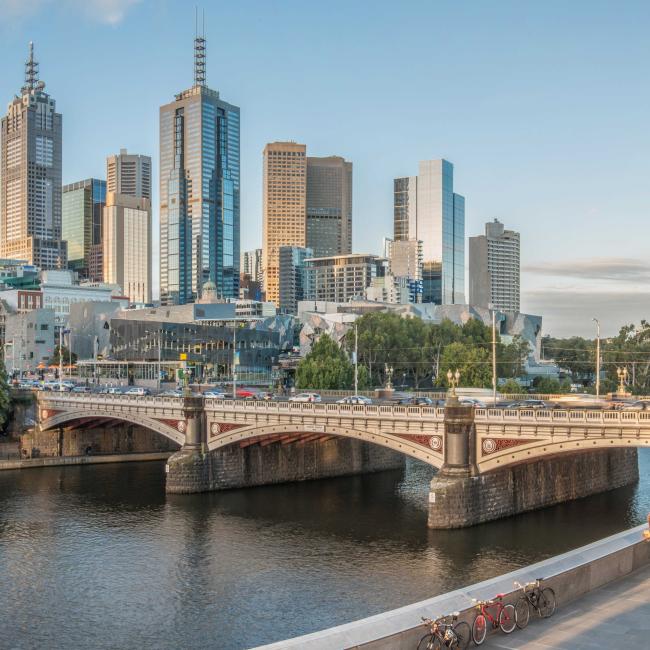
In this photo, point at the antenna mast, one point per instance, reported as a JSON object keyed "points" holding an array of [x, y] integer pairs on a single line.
{"points": [[199, 51], [31, 69]]}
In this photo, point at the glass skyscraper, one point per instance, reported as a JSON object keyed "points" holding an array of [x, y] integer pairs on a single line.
{"points": [[426, 208], [199, 192]]}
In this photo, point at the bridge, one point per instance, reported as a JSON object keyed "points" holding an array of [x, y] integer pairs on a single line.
{"points": [[460, 441]]}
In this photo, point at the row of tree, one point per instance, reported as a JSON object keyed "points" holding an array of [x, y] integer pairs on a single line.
{"points": [[415, 352]]}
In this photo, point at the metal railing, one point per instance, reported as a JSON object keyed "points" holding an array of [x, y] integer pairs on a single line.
{"points": [[572, 416]]}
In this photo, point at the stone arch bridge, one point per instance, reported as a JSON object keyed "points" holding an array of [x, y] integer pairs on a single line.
{"points": [[463, 443]]}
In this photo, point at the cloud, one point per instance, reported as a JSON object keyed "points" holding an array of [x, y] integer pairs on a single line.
{"points": [[616, 269], [106, 12]]}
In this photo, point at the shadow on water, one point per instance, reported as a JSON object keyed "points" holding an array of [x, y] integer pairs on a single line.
{"points": [[243, 567]]}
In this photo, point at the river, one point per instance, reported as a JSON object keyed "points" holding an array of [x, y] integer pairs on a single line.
{"points": [[99, 557]]}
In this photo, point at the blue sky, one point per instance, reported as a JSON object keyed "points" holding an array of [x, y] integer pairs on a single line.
{"points": [[542, 108]]}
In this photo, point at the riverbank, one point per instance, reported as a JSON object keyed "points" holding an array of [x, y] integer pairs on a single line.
{"points": [[56, 461]]}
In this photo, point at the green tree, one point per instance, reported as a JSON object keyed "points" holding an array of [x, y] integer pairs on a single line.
{"points": [[473, 363], [326, 367], [5, 398], [511, 387], [66, 356]]}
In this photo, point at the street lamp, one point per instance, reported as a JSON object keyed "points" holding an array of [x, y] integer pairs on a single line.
{"points": [[453, 378], [494, 354], [622, 378], [597, 356]]}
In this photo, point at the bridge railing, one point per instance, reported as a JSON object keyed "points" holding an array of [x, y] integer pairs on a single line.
{"points": [[561, 416], [117, 400]]}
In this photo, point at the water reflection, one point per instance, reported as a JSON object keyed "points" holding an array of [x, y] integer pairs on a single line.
{"points": [[99, 557]]}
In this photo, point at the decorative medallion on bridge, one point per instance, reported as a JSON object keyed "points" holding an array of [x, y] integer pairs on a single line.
{"points": [[435, 442], [223, 427], [48, 413], [181, 426], [492, 446], [431, 442]]}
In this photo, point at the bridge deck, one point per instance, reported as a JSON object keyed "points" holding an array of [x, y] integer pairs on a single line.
{"points": [[614, 616]]}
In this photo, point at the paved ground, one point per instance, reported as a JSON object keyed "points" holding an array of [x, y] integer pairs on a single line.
{"points": [[614, 616]]}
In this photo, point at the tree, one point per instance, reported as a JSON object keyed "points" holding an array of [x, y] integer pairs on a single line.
{"points": [[326, 367], [66, 356], [511, 387], [473, 363], [5, 398]]}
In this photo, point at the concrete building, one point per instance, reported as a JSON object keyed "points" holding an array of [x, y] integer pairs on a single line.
{"points": [[294, 279], [129, 174], [17, 274], [251, 265], [494, 268], [389, 289], [81, 225], [284, 208], [329, 206], [199, 191], [29, 341], [341, 278], [89, 324], [427, 209], [30, 176]]}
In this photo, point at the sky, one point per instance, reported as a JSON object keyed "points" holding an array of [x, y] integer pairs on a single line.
{"points": [[541, 107]]}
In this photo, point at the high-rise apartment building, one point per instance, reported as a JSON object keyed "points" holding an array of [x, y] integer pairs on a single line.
{"points": [[284, 208], [30, 176], [494, 268], [293, 282], [251, 264], [81, 225], [199, 191], [329, 206], [126, 232], [427, 209]]}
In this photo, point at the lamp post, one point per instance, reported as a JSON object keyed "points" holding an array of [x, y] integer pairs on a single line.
{"points": [[494, 355], [622, 378], [234, 359], [453, 378], [356, 359], [597, 356]]}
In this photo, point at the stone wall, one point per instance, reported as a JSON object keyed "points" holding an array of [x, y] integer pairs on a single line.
{"points": [[457, 502], [235, 467], [115, 438]]}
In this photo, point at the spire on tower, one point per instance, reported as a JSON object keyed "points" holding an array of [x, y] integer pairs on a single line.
{"points": [[31, 69], [199, 51]]}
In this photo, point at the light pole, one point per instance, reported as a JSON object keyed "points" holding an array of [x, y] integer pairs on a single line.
{"points": [[597, 356], [494, 356], [453, 378], [356, 359], [234, 359], [159, 356], [622, 378]]}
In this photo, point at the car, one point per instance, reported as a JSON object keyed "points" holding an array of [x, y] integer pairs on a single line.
{"points": [[305, 397], [137, 390], [638, 405], [534, 404], [417, 401], [472, 401], [360, 400], [81, 389], [171, 393], [214, 394]]}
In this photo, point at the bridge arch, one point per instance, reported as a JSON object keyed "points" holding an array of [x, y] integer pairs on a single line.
{"points": [[162, 428], [426, 448]]}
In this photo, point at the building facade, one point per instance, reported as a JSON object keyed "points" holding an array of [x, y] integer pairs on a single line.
{"points": [[29, 341], [199, 191], [284, 208], [30, 176], [389, 289], [251, 264], [81, 224], [427, 209], [329, 206], [294, 280], [494, 268], [405, 258], [342, 278], [126, 240]]}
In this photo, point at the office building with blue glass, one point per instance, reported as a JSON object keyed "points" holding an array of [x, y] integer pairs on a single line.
{"points": [[199, 192], [427, 209]]}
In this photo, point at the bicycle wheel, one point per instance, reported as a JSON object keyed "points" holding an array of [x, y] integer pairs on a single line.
{"points": [[429, 642], [507, 619], [463, 635], [546, 602], [522, 612], [479, 629]]}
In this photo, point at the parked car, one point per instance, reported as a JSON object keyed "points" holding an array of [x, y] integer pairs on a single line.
{"points": [[305, 397], [214, 394], [137, 390], [361, 400]]}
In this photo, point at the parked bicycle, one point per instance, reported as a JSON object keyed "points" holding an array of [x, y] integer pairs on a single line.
{"points": [[445, 632], [541, 600], [499, 615]]}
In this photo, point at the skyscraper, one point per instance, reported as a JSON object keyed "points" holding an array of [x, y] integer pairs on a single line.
{"points": [[199, 191], [251, 264], [494, 268], [293, 283], [81, 224], [30, 176], [284, 206], [126, 233], [329, 206], [427, 209]]}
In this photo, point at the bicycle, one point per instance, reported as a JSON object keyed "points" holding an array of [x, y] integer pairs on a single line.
{"points": [[541, 600], [504, 618], [445, 634]]}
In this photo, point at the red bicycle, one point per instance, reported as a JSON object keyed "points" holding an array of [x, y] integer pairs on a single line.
{"points": [[497, 613]]}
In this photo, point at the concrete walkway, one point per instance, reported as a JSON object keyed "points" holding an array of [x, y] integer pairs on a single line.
{"points": [[614, 616]]}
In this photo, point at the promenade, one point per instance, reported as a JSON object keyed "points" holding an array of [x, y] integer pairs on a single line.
{"points": [[616, 615]]}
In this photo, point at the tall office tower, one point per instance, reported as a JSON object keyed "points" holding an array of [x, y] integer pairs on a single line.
{"points": [[251, 264], [126, 232], [293, 282], [329, 206], [199, 191], [284, 208], [494, 268], [30, 176], [81, 224], [427, 209]]}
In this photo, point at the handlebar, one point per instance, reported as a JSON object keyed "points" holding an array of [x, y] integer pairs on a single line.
{"points": [[535, 583]]}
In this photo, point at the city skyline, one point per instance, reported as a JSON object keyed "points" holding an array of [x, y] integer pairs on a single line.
{"points": [[556, 175]]}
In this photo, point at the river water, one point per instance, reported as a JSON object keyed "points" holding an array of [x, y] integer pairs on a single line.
{"points": [[100, 557]]}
